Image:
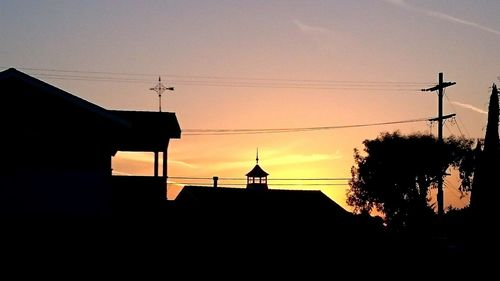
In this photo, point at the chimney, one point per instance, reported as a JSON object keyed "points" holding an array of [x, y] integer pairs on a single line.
{"points": [[215, 181]]}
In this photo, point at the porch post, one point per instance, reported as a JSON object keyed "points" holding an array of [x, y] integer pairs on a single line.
{"points": [[164, 164], [156, 163]]}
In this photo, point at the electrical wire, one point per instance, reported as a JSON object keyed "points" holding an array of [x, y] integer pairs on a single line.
{"points": [[278, 179], [231, 84], [221, 81], [215, 132], [269, 181], [274, 184], [448, 128], [52, 70], [453, 190], [457, 116]]}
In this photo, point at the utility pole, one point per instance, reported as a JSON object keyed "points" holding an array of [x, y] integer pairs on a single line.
{"points": [[439, 87], [159, 89]]}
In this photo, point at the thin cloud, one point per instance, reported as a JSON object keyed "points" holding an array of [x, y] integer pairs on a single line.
{"points": [[119, 173], [298, 159], [310, 29], [401, 3], [135, 156], [182, 163], [469, 106], [283, 160], [147, 157], [461, 21], [442, 16]]}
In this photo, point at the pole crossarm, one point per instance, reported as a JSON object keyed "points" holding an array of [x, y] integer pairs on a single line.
{"points": [[439, 86], [442, 118]]}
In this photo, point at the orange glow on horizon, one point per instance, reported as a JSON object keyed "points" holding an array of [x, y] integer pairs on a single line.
{"points": [[233, 156]]}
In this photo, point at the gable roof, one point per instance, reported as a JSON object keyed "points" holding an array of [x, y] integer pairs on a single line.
{"points": [[148, 130], [218, 198], [257, 172], [138, 130], [13, 74]]}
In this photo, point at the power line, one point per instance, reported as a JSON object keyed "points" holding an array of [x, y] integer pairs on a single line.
{"points": [[307, 87], [459, 130], [449, 188], [448, 128], [308, 179], [190, 178], [458, 116], [454, 190], [307, 128], [235, 84], [277, 179], [92, 79], [274, 184], [79, 71], [221, 81], [215, 132], [331, 181], [211, 77]]}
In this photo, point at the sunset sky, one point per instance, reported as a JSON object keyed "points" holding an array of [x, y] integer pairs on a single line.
{"points": [[265, 64]]}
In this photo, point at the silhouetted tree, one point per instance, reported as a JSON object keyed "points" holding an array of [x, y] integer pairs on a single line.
{"points": [[469, 170], [397, 171], [486, 180], [491, 140]]}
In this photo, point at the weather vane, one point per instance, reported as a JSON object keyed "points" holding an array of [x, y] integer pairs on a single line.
{"points": [[159, 89]]}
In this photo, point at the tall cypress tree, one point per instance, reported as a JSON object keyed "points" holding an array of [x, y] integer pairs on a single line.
{"points": [[486, 185], [491, 140]]}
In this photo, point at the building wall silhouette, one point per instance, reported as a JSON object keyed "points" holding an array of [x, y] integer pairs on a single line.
{"points": [[57, 150]]}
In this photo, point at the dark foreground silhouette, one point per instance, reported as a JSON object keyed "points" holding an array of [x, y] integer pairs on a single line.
{"points": [[57, 191], [57, 150]]}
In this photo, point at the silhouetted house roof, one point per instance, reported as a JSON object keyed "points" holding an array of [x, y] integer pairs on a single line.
{"points": [[127, 130], [147, 130], [15, 81], [202, 197], [57, 151], [257, 172], [262, 214]]}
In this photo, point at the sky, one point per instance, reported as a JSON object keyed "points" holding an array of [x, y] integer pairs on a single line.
{"points": [[265, 64]]}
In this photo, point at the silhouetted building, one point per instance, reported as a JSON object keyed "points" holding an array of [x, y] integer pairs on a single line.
{"points": [[263, 215], [257, 218], [57, 151], [257, 178], [256, 197], [147, 132], [255, 201], [279, 223]]}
